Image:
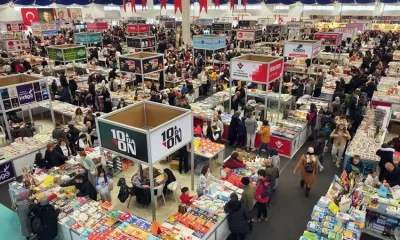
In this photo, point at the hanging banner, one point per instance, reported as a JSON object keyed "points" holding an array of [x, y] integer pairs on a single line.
{"points": [[329, 39], [13, 45], [14, 27], [26, 94], [163, 4], [87, 38], [138, 28], [252, 71], [294, 25], [203, 4], [209, 42], [178, 5], [216, 3], [249, 35], [129, 65], [305, 49], [98, 26], [72, 54], [358, 26], [170, 137], [347, 32], [123, 140]]}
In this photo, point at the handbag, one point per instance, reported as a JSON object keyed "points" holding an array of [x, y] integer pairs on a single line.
{"points": [[182, 208]]}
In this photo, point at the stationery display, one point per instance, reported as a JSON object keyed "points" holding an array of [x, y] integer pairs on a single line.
{"points": [[207, 148], [22, 146], [388, 91]]}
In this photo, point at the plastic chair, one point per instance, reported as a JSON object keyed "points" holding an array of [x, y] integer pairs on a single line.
{"points": [[160, 193], [2, 134], [173, 186]]}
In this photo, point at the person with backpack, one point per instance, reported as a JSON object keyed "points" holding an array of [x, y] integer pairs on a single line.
{"points": [[238, 217], [23, 210], [263, 191], [44, 220], [308, 164]]}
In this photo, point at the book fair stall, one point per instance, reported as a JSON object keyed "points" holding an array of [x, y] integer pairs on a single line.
{"points": [[248, 35], [141, 43], [369, 137], [206, 43], [21, 92], [67, 53], [139, 139], [221, 27], [301, 54], [16, 46], [142, 64]]}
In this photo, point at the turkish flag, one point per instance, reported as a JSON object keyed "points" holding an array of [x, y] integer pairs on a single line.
{"points": [[29, 15], [163, 3], [203, 4], [178, 5]]}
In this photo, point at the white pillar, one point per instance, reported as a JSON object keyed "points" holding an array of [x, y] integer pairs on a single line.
{"points": [[186, 21]]}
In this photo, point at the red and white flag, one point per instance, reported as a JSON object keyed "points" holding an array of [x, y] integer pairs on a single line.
{"points": [[29, 15]]}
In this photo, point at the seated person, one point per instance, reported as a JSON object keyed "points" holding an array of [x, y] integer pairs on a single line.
{"points": [[185, 196], [85, 187], [392, 175], [234, 162], [372, 179], [354, 164]]}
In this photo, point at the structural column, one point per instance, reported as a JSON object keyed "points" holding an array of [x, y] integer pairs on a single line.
{"points": [[186, 21]]}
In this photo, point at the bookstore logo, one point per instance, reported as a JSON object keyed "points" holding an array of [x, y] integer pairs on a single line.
{"points": [[171, 137], [299, 49], [279, 144], [123, 142]]}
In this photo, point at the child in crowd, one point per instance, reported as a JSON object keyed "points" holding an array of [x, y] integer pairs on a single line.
{"points": [[372, 179], [327, 136], [185, 197], [104, 185]]}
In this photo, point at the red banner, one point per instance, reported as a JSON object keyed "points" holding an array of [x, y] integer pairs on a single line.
{"points": [[178, 5], [232, 4], [216, 3], [203, 4], [275, 70], [281, 145], [244, 3], [163, 3], [133, 5], [29, 15], [97, 26], [124, 4], [137, 28], [144, 4], [15, 27]]}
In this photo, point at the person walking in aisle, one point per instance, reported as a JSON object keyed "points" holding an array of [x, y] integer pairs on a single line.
{"points": [[340, 136], [104, 185], [23, 209], [309, 167], [241, 132], [265, 132], [251, 129], [319, 147], [238, 217], [263, 192]]}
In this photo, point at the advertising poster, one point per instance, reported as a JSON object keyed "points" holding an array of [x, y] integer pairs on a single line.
{"points": [[138, 28], [46, 14], [124, 141], [129, 65], [249, 71], [72, 54], [75, 14], [213, 42], [6, 172], [153, 64], [55, 54], [26, 94], [282, 146], [62, 14], [275, 70]]}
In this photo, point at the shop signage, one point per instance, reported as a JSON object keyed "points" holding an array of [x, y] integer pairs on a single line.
{"points": [[204, 21], [275, 70], [88, 38], [173, 24], [246, 23], [211, 42], [80, 38], [55, 54], [301, 49], [6, 172], [347, 32], [294, 25], [98, 26], [123, 140], [308, 23], [170, 138], [282, 146], [138, 28], [140, 21], [221, 26], [14, 27], [15, 45], [130, 65], [71, 54], [256, 71], [26, 94], [140, 43], [249, 35], [328, 39], [153, 64], [358, 26]]}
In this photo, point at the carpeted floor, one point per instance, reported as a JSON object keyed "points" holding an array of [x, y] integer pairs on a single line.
{"points": [[9, 222], [288, 215]]}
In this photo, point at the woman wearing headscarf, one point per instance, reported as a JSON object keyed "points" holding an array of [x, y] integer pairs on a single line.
{"points": [[238, 218], [88, 164], [308, 164], [23, 209], [49, 218]]}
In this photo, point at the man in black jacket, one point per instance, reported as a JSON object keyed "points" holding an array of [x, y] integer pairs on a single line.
{"points": [[85, 187], [49, 219]]}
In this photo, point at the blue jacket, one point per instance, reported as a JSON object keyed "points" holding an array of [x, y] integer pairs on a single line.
{"points": [[350, 166]]}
